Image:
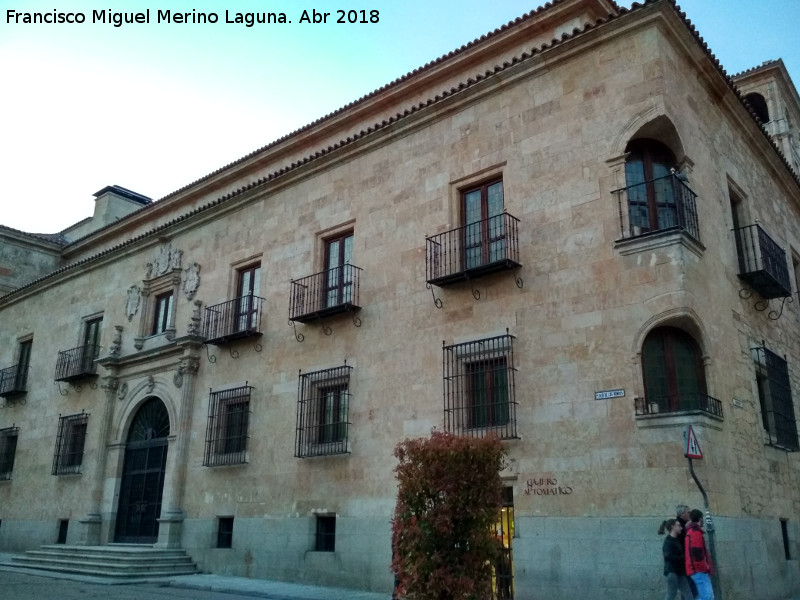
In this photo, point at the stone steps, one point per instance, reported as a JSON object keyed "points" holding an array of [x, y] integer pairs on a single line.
{"points": [[118, 561]]}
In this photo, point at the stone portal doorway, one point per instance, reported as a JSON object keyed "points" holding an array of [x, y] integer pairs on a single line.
{"points": [[143, 475]]}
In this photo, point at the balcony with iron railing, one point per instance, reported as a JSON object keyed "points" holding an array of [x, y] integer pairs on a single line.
{"points": [[472, 251], [762, 262], [323, 294], [13, 381], [77, 363], [658, 205], [233, 320], [695, 402]]}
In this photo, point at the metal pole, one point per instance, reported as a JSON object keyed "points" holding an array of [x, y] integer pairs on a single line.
{"points": [[710, 529]]}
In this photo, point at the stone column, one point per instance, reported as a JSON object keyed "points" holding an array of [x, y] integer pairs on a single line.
{"points": [[90, 532], [172, 514]]}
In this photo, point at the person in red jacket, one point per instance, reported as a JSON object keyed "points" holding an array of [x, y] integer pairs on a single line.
{"points": [[698, 560]]}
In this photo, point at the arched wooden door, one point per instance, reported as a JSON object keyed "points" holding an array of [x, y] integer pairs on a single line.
{"points": [[143, 475]]}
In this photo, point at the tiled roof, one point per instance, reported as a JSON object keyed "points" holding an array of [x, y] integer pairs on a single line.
{"points": [[728, 79], [766, 63], [53, 238], [470, 82], [403, 78]]}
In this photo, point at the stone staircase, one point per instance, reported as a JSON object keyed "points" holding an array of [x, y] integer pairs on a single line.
{"points": [[116, 562]]}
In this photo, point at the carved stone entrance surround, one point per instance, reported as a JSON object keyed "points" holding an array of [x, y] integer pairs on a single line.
{"points": [[167, 371]]}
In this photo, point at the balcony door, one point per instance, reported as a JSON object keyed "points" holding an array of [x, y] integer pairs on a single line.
{"points": [[652, 202], [484, 231], [247, 288], [91, 344], [23, 364], [339, 275]]}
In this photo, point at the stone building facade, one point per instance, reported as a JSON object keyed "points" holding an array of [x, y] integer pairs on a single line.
{"points": [[573, 233]]}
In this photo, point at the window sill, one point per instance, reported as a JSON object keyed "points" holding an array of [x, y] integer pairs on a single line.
{"points": [[770, 441], [218, 465], [659, 239], [679, 419]]}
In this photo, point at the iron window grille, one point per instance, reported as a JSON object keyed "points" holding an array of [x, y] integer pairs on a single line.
{"points": [[77, 363], [329, 292], [479, 393], [325, 539], [8, 451], [775, 398], [70, 442], [226, 433], [323, 404], [762, 262]]}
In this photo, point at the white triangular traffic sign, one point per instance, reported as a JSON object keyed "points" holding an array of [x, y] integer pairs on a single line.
{"points": [[692, 449]]}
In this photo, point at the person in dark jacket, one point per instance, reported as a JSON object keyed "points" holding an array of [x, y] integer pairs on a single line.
{"points": [[698, 560], [674, 559]]}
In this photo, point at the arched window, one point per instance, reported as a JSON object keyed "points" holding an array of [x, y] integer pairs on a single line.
{"points": [[759, 105], [672, 368], [652, 199]]}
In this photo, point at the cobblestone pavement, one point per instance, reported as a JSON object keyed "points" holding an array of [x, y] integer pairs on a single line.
{"points": [[18, 584]]}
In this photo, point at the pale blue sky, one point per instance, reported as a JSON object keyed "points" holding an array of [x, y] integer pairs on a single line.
{"points": [[154, 107]]}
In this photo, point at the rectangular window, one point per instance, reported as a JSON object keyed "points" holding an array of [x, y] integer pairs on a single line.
{"points": [[91, 332], [225, 532], [326, 534], [70, 442], [91, 340], [247, 291], [487, 396], [775, 399], [24, 362], [8, 451], [322, 412], [339, 277], [785, 535], [226, 433], [63, 528], [163, 313], [484, 231], [479, 387]]}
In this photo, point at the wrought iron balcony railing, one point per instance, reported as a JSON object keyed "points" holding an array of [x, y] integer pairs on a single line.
{"points": [[13, 381], [662, 204], [323, 294], [692, 402], [762, 262], [77, 363], [474, 250], [232, 320]]}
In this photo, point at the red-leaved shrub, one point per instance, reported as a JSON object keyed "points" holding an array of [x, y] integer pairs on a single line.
{"points": [[449, 497]]}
